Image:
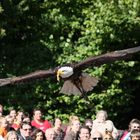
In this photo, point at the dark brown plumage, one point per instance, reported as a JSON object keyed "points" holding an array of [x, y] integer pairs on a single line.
{"points": [[75, 81]]}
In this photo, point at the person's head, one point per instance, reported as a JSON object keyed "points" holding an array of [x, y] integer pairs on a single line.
{"points": [[57, 123], [108, 135], [101, 115], [26, 129], [12, 113], [50, 134], [134, 125], [96, 136], [38, 134], [3, 123], [84, 133], [75, 125], [72, 118], [19, 117], [89, 123], [9, 119], [135, 135], [11, 135], [37, 114]]}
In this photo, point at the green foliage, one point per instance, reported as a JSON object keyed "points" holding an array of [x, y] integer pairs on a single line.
{"points": [[42, 34]]}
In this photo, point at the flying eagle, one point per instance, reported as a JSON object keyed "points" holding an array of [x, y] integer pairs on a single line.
{"points": [[75, 81]]}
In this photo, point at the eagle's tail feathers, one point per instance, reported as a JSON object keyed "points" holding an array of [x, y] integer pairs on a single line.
{"points": [[88, 82], [70, 88]]}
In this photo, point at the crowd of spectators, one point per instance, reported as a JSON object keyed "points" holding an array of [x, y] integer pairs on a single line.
{"points": [[18, 125]]}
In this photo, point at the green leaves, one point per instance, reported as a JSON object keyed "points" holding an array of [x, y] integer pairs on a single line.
{"points": [[44, 34]]}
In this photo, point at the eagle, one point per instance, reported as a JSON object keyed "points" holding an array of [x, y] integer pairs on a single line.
{"points": [[76, 82]]}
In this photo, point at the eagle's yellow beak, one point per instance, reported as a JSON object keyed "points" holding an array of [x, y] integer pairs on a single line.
{"points": [[59, 73]]}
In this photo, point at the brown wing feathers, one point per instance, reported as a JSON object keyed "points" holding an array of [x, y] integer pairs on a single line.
{"points": [[84, 83], [29, 77], [79, 83], [107, 58]]}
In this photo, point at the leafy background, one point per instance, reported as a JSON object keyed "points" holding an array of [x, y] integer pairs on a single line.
{"points": [[42, 34]]}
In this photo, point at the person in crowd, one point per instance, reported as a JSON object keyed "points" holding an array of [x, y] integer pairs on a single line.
{"points": [[96, 135], [135, 135], [18, 120], [50, 134], [84, 133], [72, 133], [58, 129], [89, 123], [3, 127], [38, 122], [133, 125], [71, 119], [108, 136], [13, 113], [10, 121], [26, 117], [25, 131], [11, 135], [1, 110], [38, 134], [101, 124]]}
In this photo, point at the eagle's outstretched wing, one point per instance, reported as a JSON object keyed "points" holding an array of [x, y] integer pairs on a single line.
{"points": [[78, 82], [31, 76], [106, 58], [84, 82]]}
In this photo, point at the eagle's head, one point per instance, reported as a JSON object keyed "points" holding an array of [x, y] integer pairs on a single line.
{"points": [[64, 72]]}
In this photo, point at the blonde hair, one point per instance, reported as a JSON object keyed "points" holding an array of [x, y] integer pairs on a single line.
{"points": [[108, 135], [2, 119], [10, 133], [73, 118]]}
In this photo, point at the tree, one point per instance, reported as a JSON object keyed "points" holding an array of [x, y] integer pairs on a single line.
{"points": [[43, 34]]}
